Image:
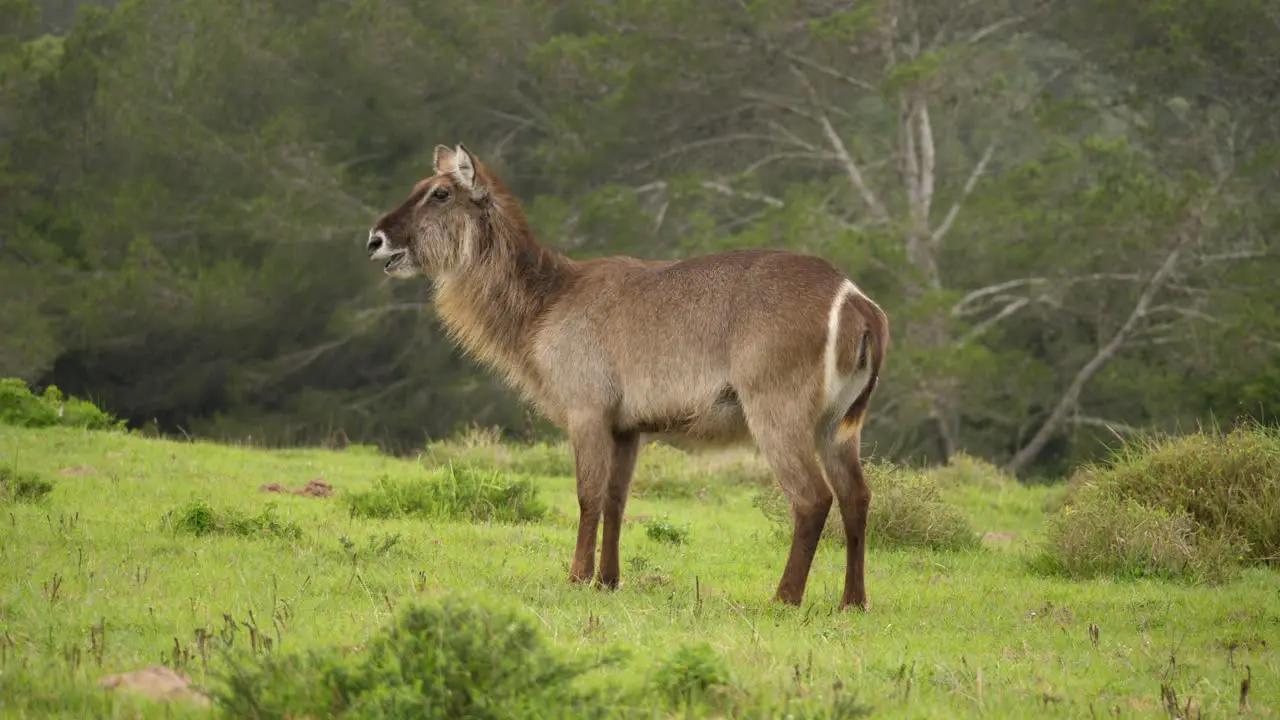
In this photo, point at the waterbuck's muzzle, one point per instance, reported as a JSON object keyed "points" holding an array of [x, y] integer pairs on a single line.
{"points": [[379, 248]]}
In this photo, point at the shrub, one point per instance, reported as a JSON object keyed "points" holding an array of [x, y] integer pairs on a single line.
{"points": [[1122, 538], [451, 658], [907, 510], [664, 531], [485, 448], [21, 486], [461, 492], [1218, 494], [689, 674], [964, 470], [19, 406], [200, 519]]}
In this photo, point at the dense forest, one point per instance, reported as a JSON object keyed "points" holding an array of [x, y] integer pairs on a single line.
{"points": [[1066, 208]]}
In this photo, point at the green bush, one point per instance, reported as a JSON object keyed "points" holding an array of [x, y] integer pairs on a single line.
{"points": [[907, 510], [689, 674], [964, 470], [460, 492], [22, 486], [450, 658], [1125, 539], [200, 519], [1188, 506], [664, 531], [19, 406]]}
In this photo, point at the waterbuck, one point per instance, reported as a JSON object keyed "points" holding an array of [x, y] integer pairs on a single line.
{"points": [[767, 346]]}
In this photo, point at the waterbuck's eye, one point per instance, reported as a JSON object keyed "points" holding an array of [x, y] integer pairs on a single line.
{"points": [[440, 194]]}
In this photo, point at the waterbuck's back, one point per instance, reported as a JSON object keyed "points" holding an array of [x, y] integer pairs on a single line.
{"points": [[676, 346]]}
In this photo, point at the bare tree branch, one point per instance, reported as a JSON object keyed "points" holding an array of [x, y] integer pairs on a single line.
{"points": [[718, 187], [982, 327], [995, 27], [969, 304], [1117, 428], [928, 161], [1108, 351], [974, 176], [961, 307], [747, 195], [373, 312], [830, 71], [842, 153]]}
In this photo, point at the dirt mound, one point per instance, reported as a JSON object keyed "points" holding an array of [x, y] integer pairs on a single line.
{"points": [[317, 488], [77, 470], [156, 682]]}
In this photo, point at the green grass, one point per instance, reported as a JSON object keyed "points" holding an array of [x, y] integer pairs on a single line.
{"points": [[96, 578]]}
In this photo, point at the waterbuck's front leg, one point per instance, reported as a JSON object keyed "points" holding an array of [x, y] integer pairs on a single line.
{"points": [[596, 455]]}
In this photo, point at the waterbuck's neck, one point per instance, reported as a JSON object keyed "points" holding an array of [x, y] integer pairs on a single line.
{"points": [[494, 306]]}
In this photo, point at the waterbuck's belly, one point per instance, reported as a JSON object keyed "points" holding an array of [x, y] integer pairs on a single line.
{"points": [[700, 412]]}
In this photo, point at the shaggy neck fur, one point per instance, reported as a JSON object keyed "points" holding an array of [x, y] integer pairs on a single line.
{"points": [[494, 304]]}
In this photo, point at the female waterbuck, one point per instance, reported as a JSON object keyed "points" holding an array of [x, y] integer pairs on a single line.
{"points": [[761, 345]]}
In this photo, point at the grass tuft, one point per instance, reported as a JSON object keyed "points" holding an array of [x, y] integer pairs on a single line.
{"points": [[458, 492], [450, 658], [1191, 507], [22, 486], [201, 519], [907, 510]]}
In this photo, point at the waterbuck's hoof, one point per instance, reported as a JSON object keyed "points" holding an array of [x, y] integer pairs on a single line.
{"points": [[603, 583], [576, 579], [862, 606]]}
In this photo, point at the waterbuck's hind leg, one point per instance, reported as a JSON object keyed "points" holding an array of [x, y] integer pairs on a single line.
{"points": [[843, 463], [594, 450], [616, 488], [786, 441]]}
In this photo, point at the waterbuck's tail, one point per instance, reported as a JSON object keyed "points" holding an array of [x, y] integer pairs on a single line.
{"points": [[873, 343]]}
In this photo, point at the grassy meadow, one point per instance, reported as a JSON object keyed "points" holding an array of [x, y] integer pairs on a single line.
{"points": [[119, 552]]}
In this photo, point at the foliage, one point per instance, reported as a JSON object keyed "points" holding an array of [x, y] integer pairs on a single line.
{"points": [[486, 448], [689, 674], [1193, 505], [19, 406], [907, 510], [200, 519], [663, 530], [964, 470], [22, 486], [455, 657], [461, 492], [1119, 537], [184, 187]]}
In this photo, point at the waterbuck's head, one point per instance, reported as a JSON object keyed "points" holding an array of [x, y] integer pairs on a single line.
{"points": [[437, 229]]}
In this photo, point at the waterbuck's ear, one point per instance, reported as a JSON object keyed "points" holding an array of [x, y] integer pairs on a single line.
{"points": [[444, 160], [464, 172]]}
